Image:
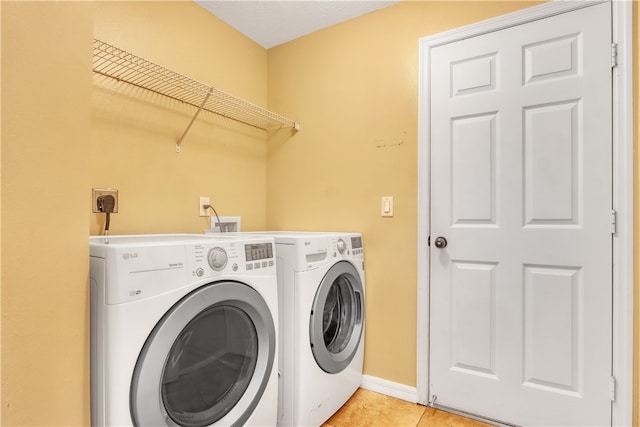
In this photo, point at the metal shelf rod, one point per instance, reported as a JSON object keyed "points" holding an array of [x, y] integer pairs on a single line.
{"points": [[122, 66]]}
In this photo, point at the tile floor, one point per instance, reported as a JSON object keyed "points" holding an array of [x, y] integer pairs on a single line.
{"points": [[370, 409]]}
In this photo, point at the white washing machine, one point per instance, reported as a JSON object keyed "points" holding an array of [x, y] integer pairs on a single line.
{"points": [[322, 290], [183, 330]]}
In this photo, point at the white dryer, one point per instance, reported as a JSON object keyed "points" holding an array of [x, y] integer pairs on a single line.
{"points": [[183, 330], [322, 306]]}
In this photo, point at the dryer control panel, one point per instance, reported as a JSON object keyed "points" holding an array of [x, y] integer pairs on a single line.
{"points": [[356, 244], [321, 249], [347, 245]]}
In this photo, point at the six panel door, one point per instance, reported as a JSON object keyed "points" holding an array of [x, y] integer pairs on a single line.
{"points": [[520, 311]]}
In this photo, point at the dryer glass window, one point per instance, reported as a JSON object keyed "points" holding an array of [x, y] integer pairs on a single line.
{"points": [[339, 315], [209, 366]]}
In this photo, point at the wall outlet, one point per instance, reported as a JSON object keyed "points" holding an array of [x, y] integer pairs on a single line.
{"points": [[204, 211], [97, 192]]}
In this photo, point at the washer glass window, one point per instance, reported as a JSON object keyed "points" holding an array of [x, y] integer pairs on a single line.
{"points": [[209, 366], [207, 361], [336, 322]]}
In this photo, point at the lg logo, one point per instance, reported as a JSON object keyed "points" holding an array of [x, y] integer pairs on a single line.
{"points": [[128, 255]]}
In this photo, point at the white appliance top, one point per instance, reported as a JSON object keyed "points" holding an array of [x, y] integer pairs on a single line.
{"points": [[156, 238], [292, 237]]}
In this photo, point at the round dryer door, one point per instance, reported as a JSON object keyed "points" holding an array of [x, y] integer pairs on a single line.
{"points": [[336, 324], [207, 361]]}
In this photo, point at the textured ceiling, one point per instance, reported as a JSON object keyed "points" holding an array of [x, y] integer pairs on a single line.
{"points": [[273, 22]]}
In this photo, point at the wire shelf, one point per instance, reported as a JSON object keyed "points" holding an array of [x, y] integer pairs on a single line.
{"points": [[123, 66]]}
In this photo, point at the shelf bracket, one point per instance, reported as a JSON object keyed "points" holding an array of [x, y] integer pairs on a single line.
{"points": [[193, 119]]}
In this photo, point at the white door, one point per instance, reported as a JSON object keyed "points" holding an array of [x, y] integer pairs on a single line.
{"points": [[520, 304]]}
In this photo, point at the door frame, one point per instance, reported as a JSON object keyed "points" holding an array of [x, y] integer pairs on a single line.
{"points": [[623, 159]]}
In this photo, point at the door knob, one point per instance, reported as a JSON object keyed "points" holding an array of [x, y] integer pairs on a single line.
{"points": [[440, 242]]}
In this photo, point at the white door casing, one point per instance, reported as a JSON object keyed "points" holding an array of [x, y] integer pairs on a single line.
{"points": [[552, 195]]}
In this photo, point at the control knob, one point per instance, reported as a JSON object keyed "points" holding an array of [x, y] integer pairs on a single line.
{"points": [[217, 258], [342, 246]]}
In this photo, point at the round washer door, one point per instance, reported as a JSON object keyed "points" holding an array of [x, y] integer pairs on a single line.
{"points": [[336, 323], [207, 361]]}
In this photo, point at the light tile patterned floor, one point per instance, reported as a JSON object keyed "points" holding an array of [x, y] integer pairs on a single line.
{"points": [[370, 409]]}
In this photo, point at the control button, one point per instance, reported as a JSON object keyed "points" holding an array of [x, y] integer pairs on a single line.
{"points": [[270, 263], [342, 246], [249, 266], [200, 272], [256, 265], [234, 267], [217, 258], [264, 264]]}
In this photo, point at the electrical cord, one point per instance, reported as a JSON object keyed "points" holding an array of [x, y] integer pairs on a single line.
{"points": [[107, 205], [218, 218]]}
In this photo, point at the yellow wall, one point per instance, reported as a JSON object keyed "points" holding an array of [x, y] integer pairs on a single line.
{"points": [[0, 222], [636, 224], [63, 134], [354, 87], [46, 119], [134, 133]]}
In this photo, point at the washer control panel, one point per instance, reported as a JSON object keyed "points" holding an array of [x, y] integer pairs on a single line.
{"points": [[228, 256], [143, 266], [259, 255]]}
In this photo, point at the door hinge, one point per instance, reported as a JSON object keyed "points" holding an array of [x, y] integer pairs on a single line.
{"points": [[614, 221], [612, 389], [614, 55]]}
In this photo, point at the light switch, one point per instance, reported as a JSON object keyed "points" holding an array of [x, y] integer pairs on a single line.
{"points": [[386, 208]]}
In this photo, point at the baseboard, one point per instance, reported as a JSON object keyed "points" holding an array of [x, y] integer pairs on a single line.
{"points": [[389, 388]]}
